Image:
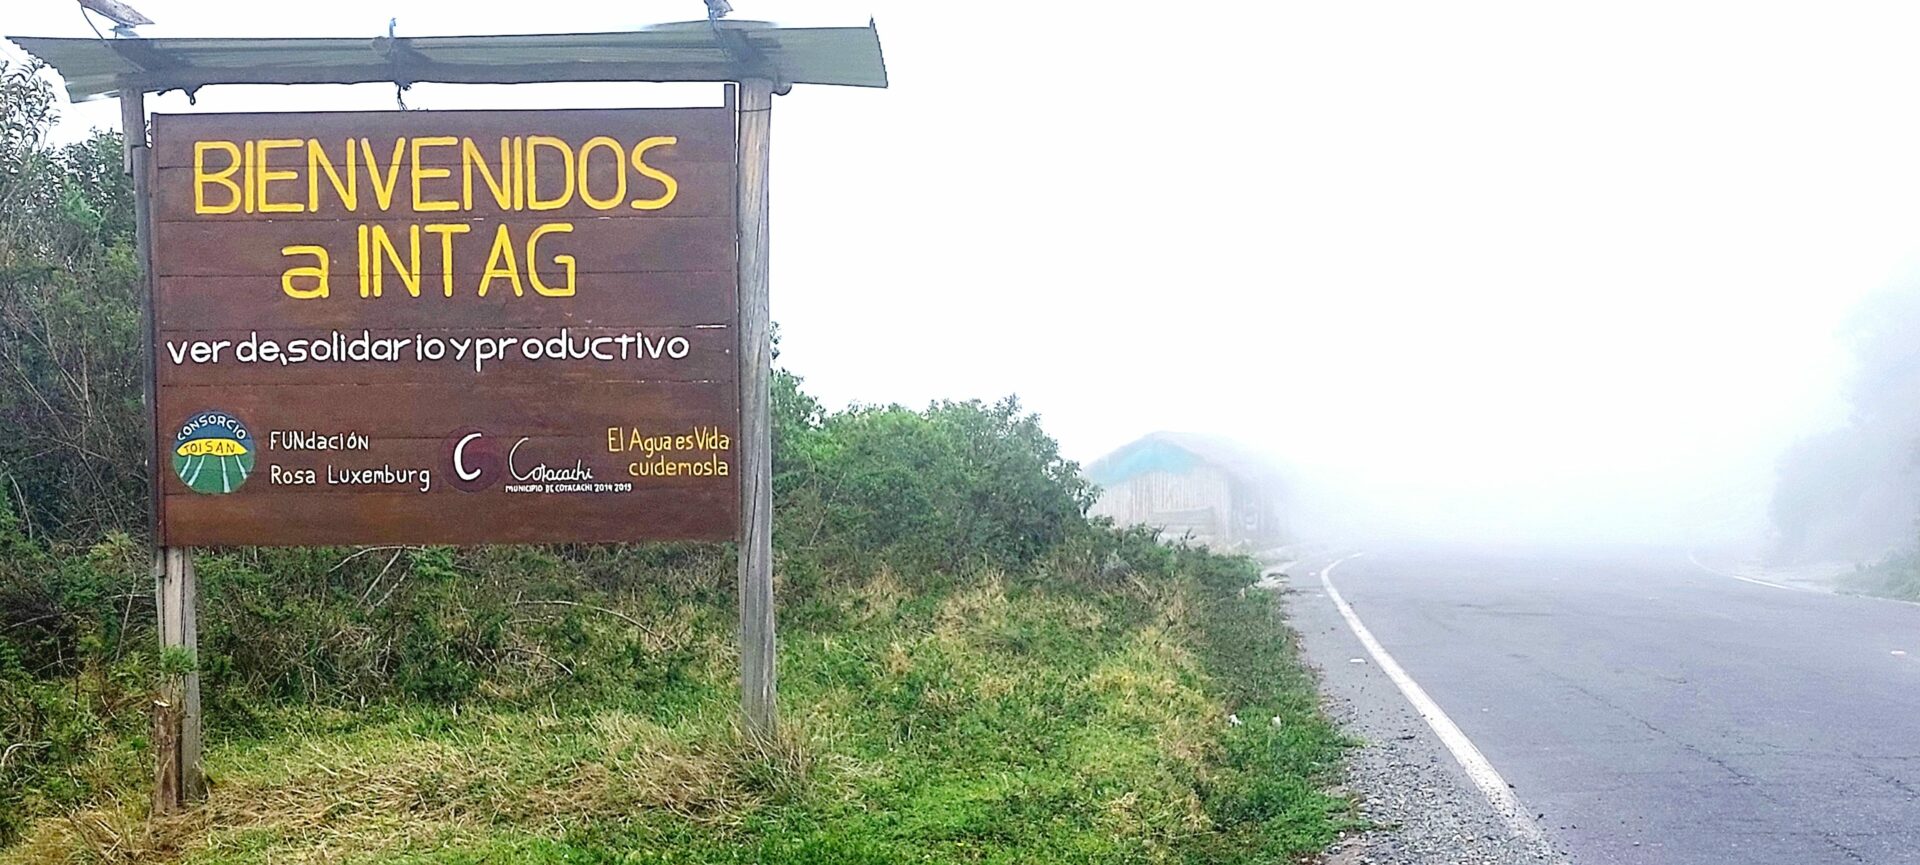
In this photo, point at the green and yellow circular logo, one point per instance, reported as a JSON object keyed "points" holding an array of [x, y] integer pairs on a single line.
{"points": [[213, 453]]}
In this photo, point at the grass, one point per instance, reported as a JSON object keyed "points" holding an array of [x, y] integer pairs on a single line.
{"points": [[993, 720]]}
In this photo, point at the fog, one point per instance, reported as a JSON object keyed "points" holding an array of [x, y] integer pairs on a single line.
{"points": [[1850, 493], [1499, 271]]}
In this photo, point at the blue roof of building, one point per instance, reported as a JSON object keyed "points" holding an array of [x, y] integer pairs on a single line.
{"points": [[1180, 453]]}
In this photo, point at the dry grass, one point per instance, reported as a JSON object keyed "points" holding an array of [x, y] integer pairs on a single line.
{"points": [[1156, 684], [880, 596], [973, 612], [385, 788]]}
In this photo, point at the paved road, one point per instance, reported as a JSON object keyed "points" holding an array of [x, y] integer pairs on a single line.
{"points": [[1650, 711]]}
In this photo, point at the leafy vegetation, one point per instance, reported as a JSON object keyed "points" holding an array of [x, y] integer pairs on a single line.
{"points": [[1075, 715], [970, 669], [69, 324], [1897, 575]]}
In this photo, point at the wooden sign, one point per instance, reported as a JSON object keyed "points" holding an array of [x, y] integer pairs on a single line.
{"points": [[446, 327]]}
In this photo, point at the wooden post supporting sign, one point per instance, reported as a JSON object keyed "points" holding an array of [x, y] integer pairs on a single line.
{"points": [[757, 674], [176, 710], [179, 631]]}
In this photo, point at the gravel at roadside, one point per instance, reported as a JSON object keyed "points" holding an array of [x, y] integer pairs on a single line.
{"points": [[1423, 808]]}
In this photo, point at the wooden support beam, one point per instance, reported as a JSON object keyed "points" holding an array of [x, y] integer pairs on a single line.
{"points": [[167, 796], [179, 631], [176, 741], [138, 161], [754, 107]]}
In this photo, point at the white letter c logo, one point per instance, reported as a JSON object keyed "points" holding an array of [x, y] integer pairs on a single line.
{"points": [[459, 466]]}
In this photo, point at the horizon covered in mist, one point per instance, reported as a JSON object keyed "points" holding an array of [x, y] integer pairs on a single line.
{"points": [[1492, 271]]}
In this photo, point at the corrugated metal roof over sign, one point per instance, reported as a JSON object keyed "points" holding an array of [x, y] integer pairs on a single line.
{"points": [[697, 51]]}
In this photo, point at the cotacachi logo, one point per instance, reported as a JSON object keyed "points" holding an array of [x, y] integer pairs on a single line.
{"points": [[213, 453]]}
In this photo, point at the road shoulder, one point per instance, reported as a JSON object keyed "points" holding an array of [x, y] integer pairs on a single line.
{"points": [[1422, 804]]}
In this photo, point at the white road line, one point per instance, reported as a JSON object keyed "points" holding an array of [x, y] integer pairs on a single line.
{"points": [[1498, 792], [1757, 582]]}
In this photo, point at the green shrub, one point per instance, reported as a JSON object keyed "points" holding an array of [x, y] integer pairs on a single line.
{"points": [[70, 415], [958, 487], [73, 669]]}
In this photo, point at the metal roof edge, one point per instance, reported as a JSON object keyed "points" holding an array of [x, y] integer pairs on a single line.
{"points": [[92, 68]]}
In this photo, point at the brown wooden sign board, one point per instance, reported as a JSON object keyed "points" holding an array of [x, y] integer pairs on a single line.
{"points": [[446, 327]]}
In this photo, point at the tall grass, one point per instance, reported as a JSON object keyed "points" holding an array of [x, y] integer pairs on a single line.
{"points": [[1062, 714]]}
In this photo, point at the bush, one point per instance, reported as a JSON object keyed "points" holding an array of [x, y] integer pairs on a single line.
{"points": [[73, 668], [70, 417], [958, 487]]}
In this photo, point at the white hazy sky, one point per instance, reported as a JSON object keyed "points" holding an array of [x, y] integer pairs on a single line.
{"points": [[1511, 268]]}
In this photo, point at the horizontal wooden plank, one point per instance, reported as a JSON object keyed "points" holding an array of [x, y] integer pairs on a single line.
{"points": [[537, 463], [192, 303], [433, 408], [476, 357], [700, 189], [657, 243], [492, 517], [350, 462], [705, 134]]}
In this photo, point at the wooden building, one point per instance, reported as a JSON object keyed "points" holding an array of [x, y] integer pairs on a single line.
{"points": [[1213, 489]]}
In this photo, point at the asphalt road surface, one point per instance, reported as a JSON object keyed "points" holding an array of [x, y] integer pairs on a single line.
{"points": [[1644, 709]]}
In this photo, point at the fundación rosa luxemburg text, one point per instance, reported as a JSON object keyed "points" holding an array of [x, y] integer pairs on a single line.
{"points": [[442, 174]]}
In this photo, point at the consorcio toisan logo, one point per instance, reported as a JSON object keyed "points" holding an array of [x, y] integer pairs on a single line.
{"points": [[213, 452]]}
